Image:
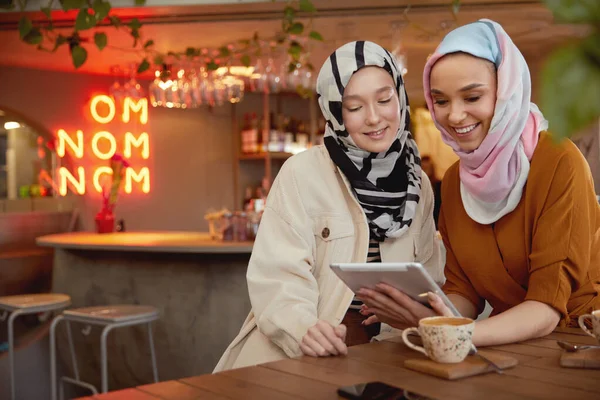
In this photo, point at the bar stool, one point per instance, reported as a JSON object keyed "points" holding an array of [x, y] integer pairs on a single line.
{"points": [[13, 306], [110, 317]]}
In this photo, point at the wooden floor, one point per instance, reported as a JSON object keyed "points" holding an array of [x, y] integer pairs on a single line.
{"points": [[537, 376]]}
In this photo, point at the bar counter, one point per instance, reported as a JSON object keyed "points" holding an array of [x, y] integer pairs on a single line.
{"points": [[198, 285], [152, 242]]}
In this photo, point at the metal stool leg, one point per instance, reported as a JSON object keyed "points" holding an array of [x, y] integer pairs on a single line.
{"points": [[11, 351], [103, 359], [152, 353], [72, 350], [53, 381]]}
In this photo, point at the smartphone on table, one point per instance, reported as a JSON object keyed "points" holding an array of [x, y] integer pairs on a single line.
{"points": [[378, 391]]}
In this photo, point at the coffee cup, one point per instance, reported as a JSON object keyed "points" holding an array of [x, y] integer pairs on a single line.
{"points": [[445, 339], [595, 317]]}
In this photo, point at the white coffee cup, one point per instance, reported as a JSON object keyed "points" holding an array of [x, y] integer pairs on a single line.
{"points": [[445, 339], [595, 317]]}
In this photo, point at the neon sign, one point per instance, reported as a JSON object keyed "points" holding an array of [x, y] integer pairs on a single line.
{"points": [[103, 145]]}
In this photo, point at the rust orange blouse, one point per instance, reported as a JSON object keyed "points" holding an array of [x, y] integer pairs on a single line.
{"points": [[547, 249]]}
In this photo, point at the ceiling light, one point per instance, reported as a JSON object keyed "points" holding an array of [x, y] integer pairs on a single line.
{"points": [[11, 125]]}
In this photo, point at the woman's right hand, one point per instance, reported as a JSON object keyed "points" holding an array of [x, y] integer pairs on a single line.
{"points": [[397, 309], [323, 340]]}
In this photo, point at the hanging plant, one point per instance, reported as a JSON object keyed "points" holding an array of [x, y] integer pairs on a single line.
{"points": [[97, 14], [245, 51], [91, 15]]}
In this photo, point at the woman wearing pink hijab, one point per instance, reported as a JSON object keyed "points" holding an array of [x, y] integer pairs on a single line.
{"points": [[519, 218]]}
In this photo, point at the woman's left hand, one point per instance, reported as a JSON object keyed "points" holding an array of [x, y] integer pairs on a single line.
{"points": [[396, 309]]}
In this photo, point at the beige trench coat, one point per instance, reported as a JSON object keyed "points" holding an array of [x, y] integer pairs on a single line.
{"points": [[311, 220]]}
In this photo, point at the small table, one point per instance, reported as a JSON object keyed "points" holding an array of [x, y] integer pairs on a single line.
{"points": [[538, 375]]}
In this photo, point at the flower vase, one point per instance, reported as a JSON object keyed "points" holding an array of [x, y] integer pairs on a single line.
{"points": [[105, 221]]}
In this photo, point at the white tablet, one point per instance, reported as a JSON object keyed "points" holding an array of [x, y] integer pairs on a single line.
{"points": [[410, 278]]}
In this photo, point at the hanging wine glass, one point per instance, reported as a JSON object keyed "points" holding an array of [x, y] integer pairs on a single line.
{"points": [[132, 88], [194, 79], [294, 77], [220, 90], [155, 91], [169, 87], [116, 90], [258, 77], [183, 87], [307, 80], [272, 75], [234, 87], [206, 87]]}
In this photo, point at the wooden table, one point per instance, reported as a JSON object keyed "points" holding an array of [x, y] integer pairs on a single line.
{"points": [[538, 375]]}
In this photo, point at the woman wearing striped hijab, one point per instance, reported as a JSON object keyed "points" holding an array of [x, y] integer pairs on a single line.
{"points": [[519, 217], [361, 196]]}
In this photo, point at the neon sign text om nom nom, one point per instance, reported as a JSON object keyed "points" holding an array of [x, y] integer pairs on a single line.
{"points": [[104, 146]]}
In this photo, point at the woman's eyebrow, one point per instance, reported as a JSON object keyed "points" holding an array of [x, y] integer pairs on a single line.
{"points": [[356, 96], [463, 89]]}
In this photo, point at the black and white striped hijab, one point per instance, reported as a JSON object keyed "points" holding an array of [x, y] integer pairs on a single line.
{"points": [[388, 184]]}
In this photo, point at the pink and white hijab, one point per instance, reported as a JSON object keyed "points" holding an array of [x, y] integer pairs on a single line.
{"points": [[493, 176]]}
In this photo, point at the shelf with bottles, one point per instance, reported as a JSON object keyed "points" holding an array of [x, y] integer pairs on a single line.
{"points": [[273, 155], [269, 128], [285, 136]]}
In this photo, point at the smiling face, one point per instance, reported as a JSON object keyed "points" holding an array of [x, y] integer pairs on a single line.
{"points": [[370, 109], [463, 89]]}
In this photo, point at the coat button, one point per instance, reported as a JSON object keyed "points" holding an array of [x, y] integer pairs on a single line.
{"points": [[325, 233]]}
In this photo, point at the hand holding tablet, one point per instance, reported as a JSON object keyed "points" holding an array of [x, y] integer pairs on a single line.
{"points": [[410, 278]]}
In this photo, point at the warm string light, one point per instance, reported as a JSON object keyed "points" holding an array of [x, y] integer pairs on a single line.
{"points": [[103, 110]]}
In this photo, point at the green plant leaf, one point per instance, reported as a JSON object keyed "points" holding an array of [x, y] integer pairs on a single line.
{"points": [[135, 34], [115, 21], [101, 9], [60, 40], [144, 65], [72, 4], [224, 51], [159, 59], [291, 67], [289, 13], [25, 27], [296, 29], [34, 36], [135, 24], [307, 6], [47, 11], [455, 6], [189, 52], [245, 60], [84, 20], [148, 44], [574, 11], [295, 50], [79, 55], [315, 36], [570, 96], [212, 66], [42, 48], [140, 2], [100, 40]]}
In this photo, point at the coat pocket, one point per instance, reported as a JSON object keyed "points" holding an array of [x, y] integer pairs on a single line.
{"points": [[333, 235]]}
